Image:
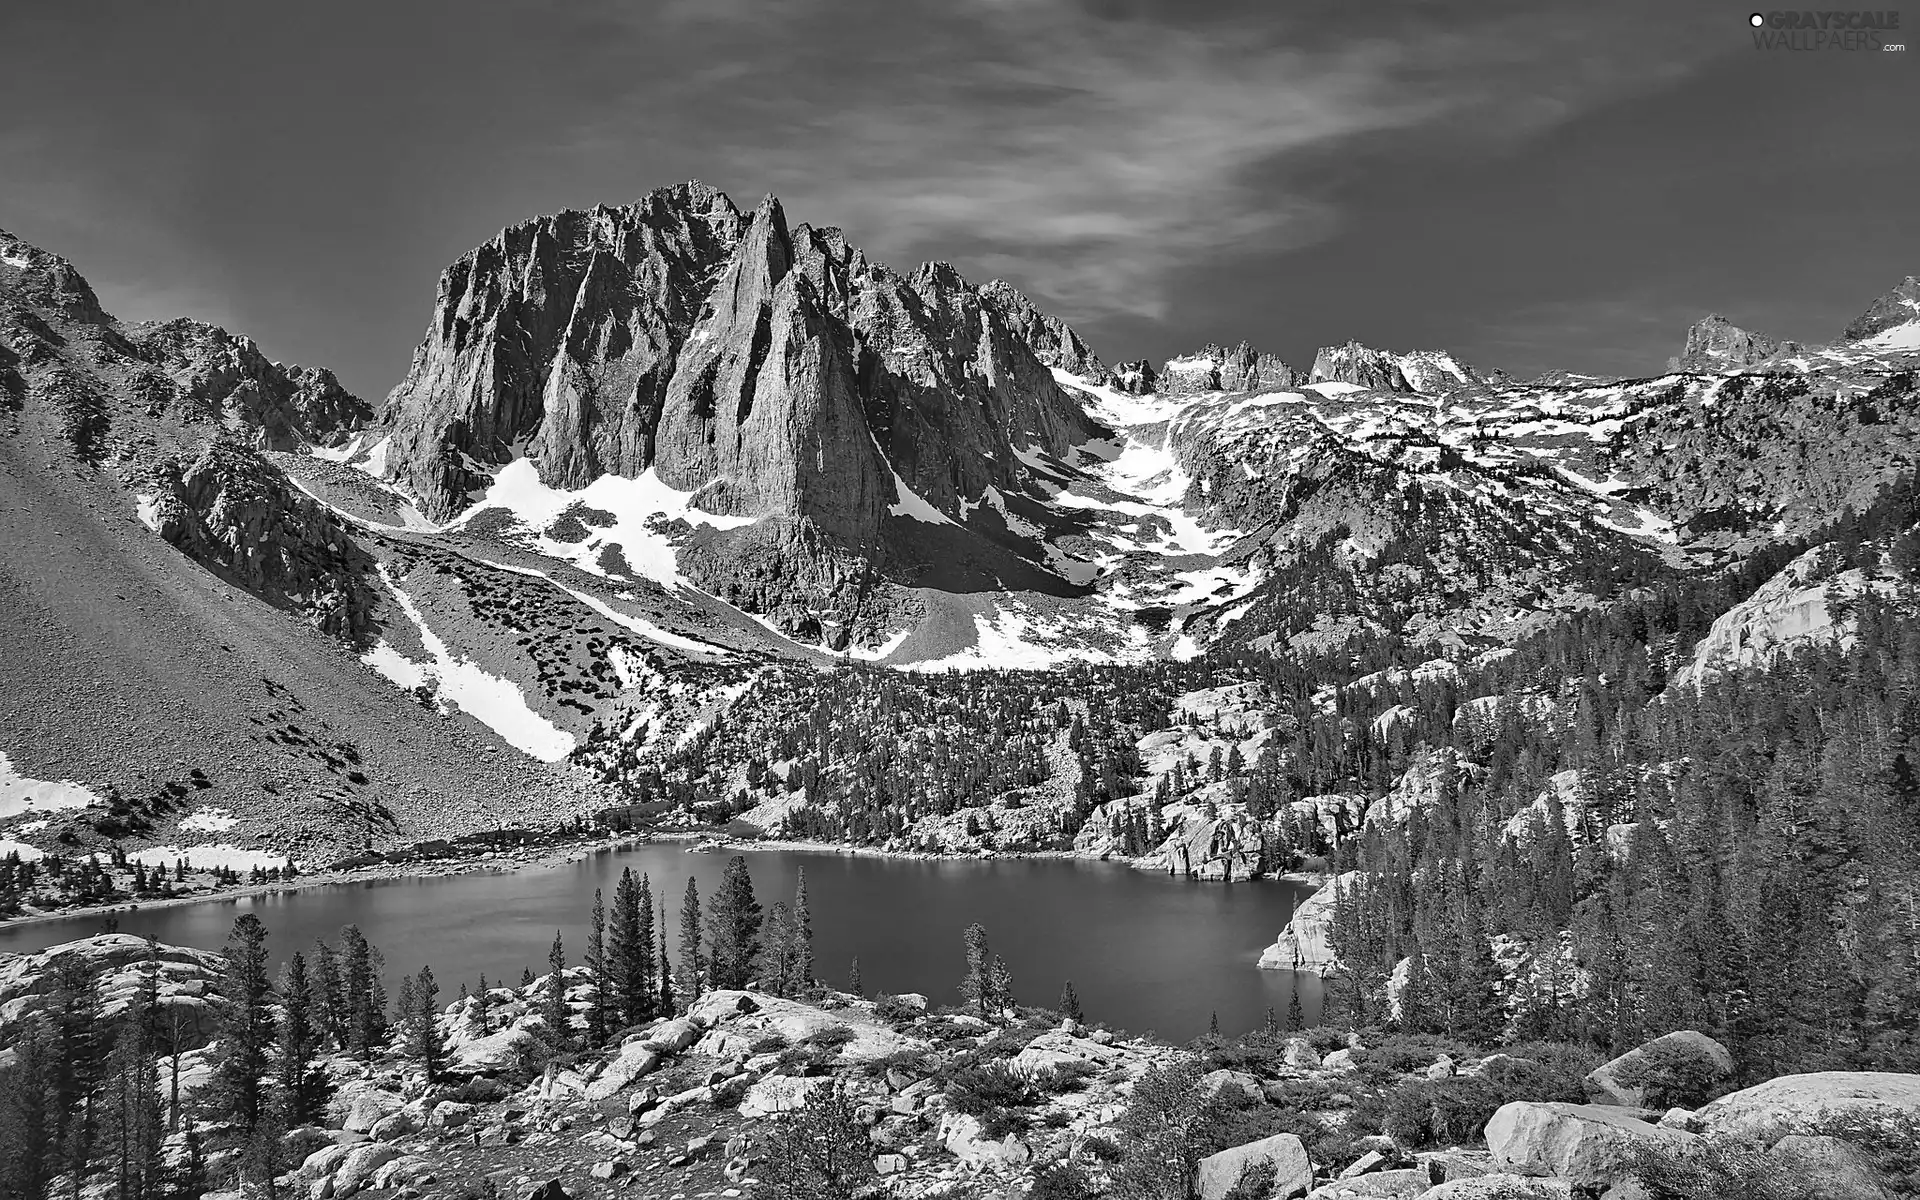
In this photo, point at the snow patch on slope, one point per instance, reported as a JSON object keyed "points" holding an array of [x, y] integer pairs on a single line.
{"points": [[495, 702], [642, 511], [21, 794]]}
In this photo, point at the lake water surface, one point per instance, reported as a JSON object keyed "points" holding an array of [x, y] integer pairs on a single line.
{"points": [[1145, 951]]}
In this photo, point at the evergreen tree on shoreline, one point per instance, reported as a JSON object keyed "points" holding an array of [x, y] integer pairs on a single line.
{"points": [[733, 927], [692, 961]]}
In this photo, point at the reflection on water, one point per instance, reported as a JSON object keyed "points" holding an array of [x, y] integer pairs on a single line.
{"points": [[1145, 952]]}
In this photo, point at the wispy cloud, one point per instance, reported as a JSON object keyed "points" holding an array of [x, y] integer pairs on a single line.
{"points": [[1091, 159]]}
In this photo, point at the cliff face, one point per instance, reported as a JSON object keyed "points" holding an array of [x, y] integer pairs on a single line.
{"points": [[1717, 344], [557, 338], [775, 373], [1239, 368]]}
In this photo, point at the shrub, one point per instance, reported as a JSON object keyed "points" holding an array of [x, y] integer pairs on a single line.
{"points": [[478, 1090], [829, 1037], [1714, 1169], [1061, 1180], [1400, 1053], [978, 1089], [1557, 1079], [1440, 1112], [1673, 1076], [1070, 1076], [1300, 1095], [895, 1010], [771, 1043], [1102, 1149], [1256, 1182]]}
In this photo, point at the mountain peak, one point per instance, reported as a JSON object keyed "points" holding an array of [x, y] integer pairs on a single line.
{"points": [[1360, 365], [1241, 368], [1899, 306], [1717, 344], [47, 280]]}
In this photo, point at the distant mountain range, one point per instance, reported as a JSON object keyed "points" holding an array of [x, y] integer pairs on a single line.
{"points": [[643, 454]]}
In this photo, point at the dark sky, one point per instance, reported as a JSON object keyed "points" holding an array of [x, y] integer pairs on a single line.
{"points": [[1531, 183]]}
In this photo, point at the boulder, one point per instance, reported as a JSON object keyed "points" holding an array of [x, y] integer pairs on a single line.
{"points": [[1443, 1068], [1339, 1060], [360, 1104], [1663, 1072], [1293, 1171], [396, 1125], [323, 1162], [1380, 1185], [778, 1094], [671, 1037], [449, 1114], [1054, 1049], [963, 1138], [1301, 1055], [1589, 1145], [1826, 1168], [634, 1060], [890, 1164], [1501, 1187], [1813, 1104], [357, 1169], [496, 1052], [1232, 1087]]}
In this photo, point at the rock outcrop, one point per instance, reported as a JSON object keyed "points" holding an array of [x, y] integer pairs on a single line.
{"points": [[1717, 344], [1897, 307], [1359, 365], [238, 514], [1814, 1103], [1239, 368], [1293, 1170], [206, 374], [1306, 943], [1645, 1076], [1052, 340], [1588, 1145], [775, 373], [186, 982]]}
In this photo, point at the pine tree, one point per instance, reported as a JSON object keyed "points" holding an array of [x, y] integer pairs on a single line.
{"points": [[130, 1122], [777, 954], [73, 1009], [245, 1023], [664, 976], [554, 1004], [28, 1117], [476, 1024], [1070, 1003], [596, 960], [425, 1043], [1296, 1019], [854, 983], [692, 961], [733, 927], [630, 952], [366, 1006], [329, 999], [302, 1082], [803, 936], [988, 982]]}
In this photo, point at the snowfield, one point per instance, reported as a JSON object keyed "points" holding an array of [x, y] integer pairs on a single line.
{"points": [[21, 794], [643, 510], [200, 858], [495, 702]]}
